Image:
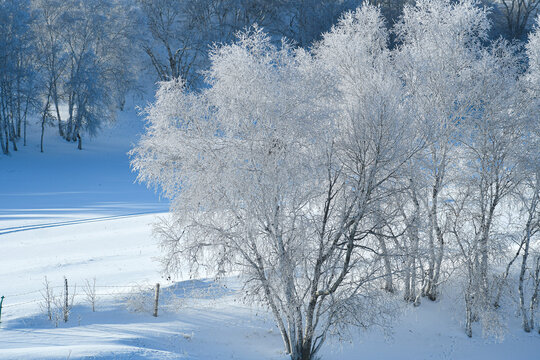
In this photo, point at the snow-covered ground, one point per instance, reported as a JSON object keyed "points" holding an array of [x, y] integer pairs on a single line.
{"points": [[79, 214]]}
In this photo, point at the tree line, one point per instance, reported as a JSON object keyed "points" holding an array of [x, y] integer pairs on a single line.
{"points": [[70, 64], [381, 163], [65, 64]]}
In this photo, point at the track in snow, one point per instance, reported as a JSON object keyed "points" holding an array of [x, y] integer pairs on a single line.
{"points": [[16, 229]]}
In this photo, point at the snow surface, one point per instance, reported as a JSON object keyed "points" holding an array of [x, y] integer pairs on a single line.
{"points": [[79, 214]]}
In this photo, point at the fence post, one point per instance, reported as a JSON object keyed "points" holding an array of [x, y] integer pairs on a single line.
{"points": [[1, 301], [66, 301], [156, 300]]}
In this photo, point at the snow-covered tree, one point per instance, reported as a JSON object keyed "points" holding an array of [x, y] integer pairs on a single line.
{"points": [[529, 165], [17, 72], [96, 41], [489, 145], [276, 169], [332, 177], [51, 59], [440, 41]]}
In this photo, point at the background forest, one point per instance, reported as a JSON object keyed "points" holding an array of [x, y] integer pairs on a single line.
{"points": [[70, 64]]}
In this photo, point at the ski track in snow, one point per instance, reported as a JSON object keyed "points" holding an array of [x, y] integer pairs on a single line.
{"points": [[9, 230]]}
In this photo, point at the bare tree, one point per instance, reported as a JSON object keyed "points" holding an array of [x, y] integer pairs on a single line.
{"points": [[174, 47], [48, 299], [90, 292], [518, 14]]}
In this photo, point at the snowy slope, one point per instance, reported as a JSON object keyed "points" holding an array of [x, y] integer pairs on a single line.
{"points": [[65, 181], [79, 214]]}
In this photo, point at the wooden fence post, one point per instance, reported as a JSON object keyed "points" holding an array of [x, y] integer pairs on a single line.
{"points": [[66, 300], [156, 300], [1, 301]]}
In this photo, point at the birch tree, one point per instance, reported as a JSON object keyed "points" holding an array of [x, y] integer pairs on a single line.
{"points": [[489, 145], [440, 41], [529, 163], [275, 171], [98, 66], [16, 71]]}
